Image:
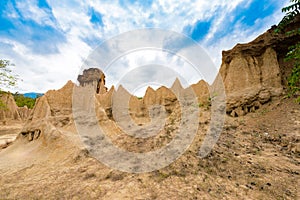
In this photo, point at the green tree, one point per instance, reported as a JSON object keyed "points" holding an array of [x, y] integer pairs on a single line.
{"points": [[7, 78], [21, 100], [292, 11]]}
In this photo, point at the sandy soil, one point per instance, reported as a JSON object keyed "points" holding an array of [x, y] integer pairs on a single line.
{"points": [[256, 157], [8, 133]]}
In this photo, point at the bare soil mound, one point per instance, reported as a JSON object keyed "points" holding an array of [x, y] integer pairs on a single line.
{"points": [[257, 156]]}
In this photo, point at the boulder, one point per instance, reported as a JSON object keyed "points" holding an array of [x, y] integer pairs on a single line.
{"points": [[94, 77]]}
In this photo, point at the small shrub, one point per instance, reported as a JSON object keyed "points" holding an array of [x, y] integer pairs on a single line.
{"points": [[292, 11]]}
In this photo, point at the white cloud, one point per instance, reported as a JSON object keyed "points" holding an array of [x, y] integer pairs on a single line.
{"points": [[43, 72], [30, 10], [10, 11], [240, 34]]}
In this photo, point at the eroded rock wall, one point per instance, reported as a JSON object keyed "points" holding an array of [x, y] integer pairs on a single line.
{"points": [[254, 73], [10, 111]]}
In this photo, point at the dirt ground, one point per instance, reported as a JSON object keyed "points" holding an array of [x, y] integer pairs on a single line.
{"points": [[8, 133], [256, 157]]}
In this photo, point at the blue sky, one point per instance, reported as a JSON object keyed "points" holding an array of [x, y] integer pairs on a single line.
{"points": [[48, 40]]}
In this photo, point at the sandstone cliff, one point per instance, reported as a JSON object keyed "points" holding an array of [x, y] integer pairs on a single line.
{"points": [[255, 72], [51, 122], [54, 109]]}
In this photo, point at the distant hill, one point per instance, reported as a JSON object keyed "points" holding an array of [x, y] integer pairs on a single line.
{"points": [[33, 95]]}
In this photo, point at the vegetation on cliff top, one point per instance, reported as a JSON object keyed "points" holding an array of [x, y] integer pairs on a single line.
{"points": [[22, 101], [292, 11]]}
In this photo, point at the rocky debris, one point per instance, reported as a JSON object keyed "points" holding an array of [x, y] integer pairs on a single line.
{"points": [[95, 77], [253, 72]]}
